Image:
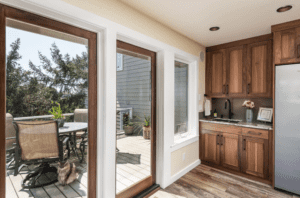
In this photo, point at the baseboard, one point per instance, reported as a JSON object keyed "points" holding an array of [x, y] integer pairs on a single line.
{"points": [[183, 172]]}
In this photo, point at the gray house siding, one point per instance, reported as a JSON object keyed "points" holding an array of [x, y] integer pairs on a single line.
{"points": [[181, 97], [134, 89]]}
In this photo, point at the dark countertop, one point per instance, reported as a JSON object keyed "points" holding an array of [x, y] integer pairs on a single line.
{"points": [[255, 125]]}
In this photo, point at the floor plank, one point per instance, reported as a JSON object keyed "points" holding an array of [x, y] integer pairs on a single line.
{"points": [[208, 182]]}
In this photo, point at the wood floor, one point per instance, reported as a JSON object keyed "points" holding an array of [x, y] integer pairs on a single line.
{"points": [[133, 161], [204, 181]]}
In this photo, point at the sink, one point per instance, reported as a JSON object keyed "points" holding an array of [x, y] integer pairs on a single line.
{"points": [[226, 120]]}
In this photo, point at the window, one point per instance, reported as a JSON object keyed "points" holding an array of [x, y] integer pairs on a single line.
{"points": [[181, 97]]}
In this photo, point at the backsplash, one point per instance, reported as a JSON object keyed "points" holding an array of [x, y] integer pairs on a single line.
{"points": [[237, 109]]}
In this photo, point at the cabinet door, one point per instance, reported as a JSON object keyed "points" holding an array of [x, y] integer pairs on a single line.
{"points": [[230, 147], [216, 73], [210, 146], [236, 71], [255, 156], [259, 74], [287, 46]]}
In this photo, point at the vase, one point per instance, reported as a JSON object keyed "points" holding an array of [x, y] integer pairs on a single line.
{"points": [[249, 115], [146, 132], [128, 130], [61, 122]]}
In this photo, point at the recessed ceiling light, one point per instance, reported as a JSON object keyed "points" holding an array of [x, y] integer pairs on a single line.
{"points": [[214, 28], [284, 8]]}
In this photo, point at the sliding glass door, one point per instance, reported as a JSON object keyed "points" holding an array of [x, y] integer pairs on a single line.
{"points": [[136, 116]]}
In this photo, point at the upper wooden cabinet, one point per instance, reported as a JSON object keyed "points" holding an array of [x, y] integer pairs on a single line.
{"points": [[217, 73], [287, 42], [259, 69], [240, 69], [236, 70]]}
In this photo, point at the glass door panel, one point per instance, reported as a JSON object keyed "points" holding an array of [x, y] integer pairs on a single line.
{"points": [[135, 113]]}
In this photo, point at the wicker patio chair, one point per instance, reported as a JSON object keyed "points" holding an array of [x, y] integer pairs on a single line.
{"points": [[81, 115], [38, 142], [10, 141]]}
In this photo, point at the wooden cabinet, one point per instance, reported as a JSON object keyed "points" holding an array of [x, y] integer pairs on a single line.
{"points": [[239, 149], [259, 69], [216, 73], [236, 71], [230, 151], [210, 146], [240, 69], [255, 158], [287, 46]]}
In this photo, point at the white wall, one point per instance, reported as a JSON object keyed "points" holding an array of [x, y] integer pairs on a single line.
{"points": [[108, 33]]}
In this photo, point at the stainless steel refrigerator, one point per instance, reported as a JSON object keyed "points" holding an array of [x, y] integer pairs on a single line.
{"points": [[287, 128]]}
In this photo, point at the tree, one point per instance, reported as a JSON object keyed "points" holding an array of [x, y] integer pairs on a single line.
{"points": [[15, 78], [30, 93], [69, 76]]}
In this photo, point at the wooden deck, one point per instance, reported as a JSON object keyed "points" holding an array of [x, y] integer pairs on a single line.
{"points": [[133, 164], [133, 161]]}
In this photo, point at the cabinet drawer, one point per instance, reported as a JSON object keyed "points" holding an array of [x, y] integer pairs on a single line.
{"points": [[221, 128], [255, 133]]}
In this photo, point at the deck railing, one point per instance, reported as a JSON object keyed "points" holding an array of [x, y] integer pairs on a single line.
{"points": [[39, 117]]}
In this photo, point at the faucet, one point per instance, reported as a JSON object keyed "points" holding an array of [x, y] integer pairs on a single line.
{"points": [[229, 107]]}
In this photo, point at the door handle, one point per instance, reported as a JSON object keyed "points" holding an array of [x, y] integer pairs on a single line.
{"points": [[248, 88], [218, 139], [254, 133], [244, 144], [222, 139], [227, 89]]}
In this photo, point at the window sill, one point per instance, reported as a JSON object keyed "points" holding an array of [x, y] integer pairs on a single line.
{"points": [[184, 141]]}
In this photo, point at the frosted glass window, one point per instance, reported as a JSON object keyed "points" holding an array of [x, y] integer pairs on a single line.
{"points": [[181, 97]]}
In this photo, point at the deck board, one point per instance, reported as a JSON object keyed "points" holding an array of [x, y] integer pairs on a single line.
{"points": [[134, 157], [133, 161]]}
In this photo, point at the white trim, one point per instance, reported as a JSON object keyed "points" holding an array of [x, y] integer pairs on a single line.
{"points": [[182, 142], [108, 32], [183, 172]]}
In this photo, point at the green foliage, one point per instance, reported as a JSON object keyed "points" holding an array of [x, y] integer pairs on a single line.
{"points": [[147, 121], [56, 111], [126, 120], [29, 93]]}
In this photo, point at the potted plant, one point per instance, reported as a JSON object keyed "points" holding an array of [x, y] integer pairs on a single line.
{"points": [[249, 112], [147, 128], [127, 124], [57, 114]]}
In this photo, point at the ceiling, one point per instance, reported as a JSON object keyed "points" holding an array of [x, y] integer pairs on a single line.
{"points": [[237, 19]]}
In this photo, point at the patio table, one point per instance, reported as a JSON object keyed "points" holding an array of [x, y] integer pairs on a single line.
{"points": [[70, 129]]}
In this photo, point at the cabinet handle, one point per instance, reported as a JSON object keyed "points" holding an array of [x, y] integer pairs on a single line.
{"points": [[222, 139], [244, 144], [248, 88], [227, 89], [298, 51], [254, 133], [223, 89], [217, 140]]}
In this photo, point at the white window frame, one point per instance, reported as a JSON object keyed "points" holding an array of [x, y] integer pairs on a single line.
{"points": [[192, 133]]}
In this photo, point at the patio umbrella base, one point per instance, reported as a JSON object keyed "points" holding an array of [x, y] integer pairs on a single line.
{"points": [[44, 175]]}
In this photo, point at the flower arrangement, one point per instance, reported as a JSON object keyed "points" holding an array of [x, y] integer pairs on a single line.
{"points": [[248, 104], [57, 112]]}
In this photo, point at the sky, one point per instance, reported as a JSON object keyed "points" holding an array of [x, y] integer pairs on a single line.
{"points": [[31, 43]]}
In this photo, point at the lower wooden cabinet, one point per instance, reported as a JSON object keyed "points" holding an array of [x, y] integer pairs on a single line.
{"points": [[230, 151], [255, 158], [244, 150], [210, 146]]}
